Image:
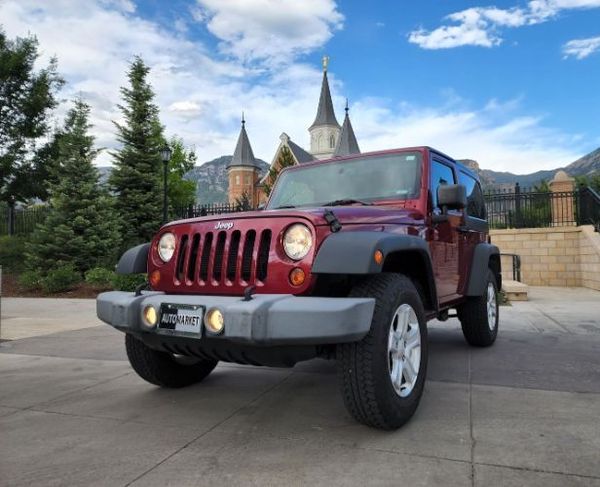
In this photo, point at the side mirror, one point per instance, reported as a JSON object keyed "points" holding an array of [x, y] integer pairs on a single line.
{"points": [[452, 196]]}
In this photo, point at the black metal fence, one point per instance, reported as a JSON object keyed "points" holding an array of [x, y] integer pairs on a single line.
{"points": [[526, 208], [21, 221], [194, 211]]}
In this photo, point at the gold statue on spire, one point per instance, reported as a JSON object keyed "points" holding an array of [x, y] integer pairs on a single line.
{"points": [[325, 63]]}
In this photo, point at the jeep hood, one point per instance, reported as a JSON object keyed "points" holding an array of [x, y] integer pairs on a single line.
{"points": [[347, 215]]}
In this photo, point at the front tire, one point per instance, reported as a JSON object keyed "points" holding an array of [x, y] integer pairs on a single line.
{"points": [[383, 375], [479, 315], [164, 369]]}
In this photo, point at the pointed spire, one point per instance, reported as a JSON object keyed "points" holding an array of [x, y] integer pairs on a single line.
{"points": [[325, 112], [347, 143], [243, 155]]}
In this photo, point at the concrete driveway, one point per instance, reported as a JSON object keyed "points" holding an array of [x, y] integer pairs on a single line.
{"points": [[524, 412]]}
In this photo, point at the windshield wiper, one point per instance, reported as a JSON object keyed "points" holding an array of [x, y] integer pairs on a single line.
{"points": [[282, 207], [347, 201]]}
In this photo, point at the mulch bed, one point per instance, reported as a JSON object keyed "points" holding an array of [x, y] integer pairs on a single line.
{"points": [[12, 289]]}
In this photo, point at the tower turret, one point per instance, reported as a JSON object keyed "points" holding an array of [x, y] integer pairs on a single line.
{"points": [[243, 171], [325, 130]]}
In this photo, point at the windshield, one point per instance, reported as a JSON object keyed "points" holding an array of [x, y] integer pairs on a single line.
{"points": [[385, 177]]}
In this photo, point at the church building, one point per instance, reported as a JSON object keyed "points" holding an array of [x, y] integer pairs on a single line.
{"points": [[327, 139]]}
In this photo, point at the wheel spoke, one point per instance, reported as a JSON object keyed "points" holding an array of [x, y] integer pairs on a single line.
{"points": [[412, 339], [409, 371], [396, 374]]}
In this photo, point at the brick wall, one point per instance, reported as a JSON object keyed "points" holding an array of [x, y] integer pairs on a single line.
{"points": [[559, 256]]}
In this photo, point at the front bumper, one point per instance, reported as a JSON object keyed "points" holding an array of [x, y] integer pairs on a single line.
{"points": [[267, 319]]}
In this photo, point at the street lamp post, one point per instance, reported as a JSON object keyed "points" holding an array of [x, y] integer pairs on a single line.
{"points": [[165, 155]]}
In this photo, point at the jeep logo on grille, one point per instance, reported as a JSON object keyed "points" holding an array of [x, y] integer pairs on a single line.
{"points": [[223, 225]]}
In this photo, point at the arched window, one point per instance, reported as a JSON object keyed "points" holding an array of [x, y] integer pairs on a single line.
{"points": [[237, 179], [319, 142], [332, 141]]}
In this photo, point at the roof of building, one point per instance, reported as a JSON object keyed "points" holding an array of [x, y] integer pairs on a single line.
{"points": [[243, 155], [299, 153], [325, 112], [347, 143]]}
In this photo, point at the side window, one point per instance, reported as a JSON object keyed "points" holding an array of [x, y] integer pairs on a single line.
{"points": [[440, 174], [475, 200]]}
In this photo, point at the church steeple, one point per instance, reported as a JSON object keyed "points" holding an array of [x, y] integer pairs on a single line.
{"points": [[347, 143], [243, 171], [325, 112], [243, 155], [325, 130]]}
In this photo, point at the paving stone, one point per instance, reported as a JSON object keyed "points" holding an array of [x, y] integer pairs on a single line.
{"points": [[196, 407], [510, 477], [240, 460], [38, 448], [540, 430], [27, 380]]}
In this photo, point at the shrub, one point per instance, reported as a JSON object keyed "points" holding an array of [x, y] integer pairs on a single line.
{"points": [[12, 253], [128, 282], [99, 276], [61, 279], [31, 280]]}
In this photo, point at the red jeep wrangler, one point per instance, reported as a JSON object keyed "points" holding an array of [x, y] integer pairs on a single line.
{"points": [[348, 261]]}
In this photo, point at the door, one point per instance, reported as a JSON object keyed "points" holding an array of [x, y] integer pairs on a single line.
{"points": [[444, 245], [475, 228]]}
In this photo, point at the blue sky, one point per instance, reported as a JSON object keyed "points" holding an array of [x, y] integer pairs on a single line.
{"points": [[511, 84]]}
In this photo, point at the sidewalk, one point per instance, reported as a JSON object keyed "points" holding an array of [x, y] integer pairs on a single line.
{"points": [[523, 412]]}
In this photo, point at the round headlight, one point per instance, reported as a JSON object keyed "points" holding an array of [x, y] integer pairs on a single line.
{"points": [[166, 247], [297, 241]]}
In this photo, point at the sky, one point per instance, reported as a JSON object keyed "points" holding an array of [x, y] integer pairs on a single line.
{"points": [[512, 84]]}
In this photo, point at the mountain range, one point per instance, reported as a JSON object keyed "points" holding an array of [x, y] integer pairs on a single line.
{"points": [[212, 184]]}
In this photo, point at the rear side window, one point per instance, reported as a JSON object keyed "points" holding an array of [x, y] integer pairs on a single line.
{"points": [[475, 201], [440, 174]]}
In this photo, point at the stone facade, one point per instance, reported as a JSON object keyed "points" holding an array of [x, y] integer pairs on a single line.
{"points": [[559, 256]]}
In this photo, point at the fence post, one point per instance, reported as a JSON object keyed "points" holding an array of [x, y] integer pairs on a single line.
{"points": [[518, 215], [563, 209], [11, 216]]}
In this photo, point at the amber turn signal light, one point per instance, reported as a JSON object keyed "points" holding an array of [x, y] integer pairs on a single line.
{"points": [[154, 278], [297, 276], [378, 257]]}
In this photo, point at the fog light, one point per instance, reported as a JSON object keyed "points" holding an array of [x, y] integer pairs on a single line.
{"points": [[213, 320], [378, 257], [297, 277], [154, 278], [150, 316]]}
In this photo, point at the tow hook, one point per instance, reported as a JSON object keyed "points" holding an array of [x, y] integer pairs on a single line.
{"points": [[248, 293]]}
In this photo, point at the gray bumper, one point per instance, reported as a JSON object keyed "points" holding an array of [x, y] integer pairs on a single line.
{"points": [[268, 319]]}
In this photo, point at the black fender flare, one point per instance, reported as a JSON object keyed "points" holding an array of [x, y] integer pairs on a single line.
{"points": [[135, 260], [352, 252], [479, 265]]}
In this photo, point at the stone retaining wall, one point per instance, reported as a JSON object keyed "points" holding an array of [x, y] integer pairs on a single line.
{"points": [[558, 256]]}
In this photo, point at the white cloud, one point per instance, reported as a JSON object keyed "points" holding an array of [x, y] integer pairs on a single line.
{"points": [[202, 93], [581, 48], [494, 135], [479, 26], [275, 31]]}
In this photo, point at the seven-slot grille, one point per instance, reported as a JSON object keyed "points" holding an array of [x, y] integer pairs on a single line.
{"points": [[212, 258]]}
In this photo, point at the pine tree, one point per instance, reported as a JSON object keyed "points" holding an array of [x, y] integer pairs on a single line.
{"points": [[27, 98], [80, 229], [181, 191], [136, 178], [285, 159]]}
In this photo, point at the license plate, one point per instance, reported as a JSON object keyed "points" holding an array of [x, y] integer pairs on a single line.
{"points": [[185, 318]]}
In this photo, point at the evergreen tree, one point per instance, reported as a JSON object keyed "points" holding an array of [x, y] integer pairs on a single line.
{"points": [[181, 192], [285, 159], [80, 229], [243, 203], [136, 178], [27, 98]]}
